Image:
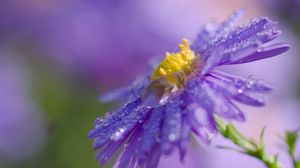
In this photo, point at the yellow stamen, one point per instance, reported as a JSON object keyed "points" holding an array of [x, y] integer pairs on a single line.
{"points": [[162, 71], [174, 63]]}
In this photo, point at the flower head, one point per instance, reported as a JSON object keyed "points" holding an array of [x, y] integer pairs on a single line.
{"points": [[180, 98]]}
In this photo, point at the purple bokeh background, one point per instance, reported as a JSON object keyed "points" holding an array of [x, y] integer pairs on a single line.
{"points": [[109, 42], [22, 129]]}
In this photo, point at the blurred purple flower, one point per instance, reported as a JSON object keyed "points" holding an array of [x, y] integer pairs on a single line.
{"points": [[21, 126], [88, 36], [289, 7], [160, 114], [18, 17]]}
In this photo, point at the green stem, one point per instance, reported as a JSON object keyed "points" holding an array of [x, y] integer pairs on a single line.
{"points": [[250, 147], [291, 138], [297, 164]]}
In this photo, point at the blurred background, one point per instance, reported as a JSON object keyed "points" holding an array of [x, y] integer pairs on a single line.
{"points": [[58, 56]]}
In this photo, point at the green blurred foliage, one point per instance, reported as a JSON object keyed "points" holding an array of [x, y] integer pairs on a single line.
{"points": [[70, 106]]}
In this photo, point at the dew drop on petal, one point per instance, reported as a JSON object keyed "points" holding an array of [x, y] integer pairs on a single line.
{"points": [[261, 100], [240, 91], [118, 134], [98, 121], [172, 137]]}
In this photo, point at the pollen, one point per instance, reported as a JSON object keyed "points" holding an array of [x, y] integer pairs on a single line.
{"points": [[176, 66]]}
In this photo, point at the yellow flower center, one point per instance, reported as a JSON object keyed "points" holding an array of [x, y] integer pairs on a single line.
{"points": [[176, 66]]}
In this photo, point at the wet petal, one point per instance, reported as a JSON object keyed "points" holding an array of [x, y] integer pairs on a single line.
{"points": [[127, 157], [249, 84], [263, 53], [171, 128], [151, 134], [239, 94]]}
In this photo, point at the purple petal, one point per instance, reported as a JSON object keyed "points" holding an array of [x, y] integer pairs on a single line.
{"points": [[151, 134], [119, 127], [201, 131], [185, 137], [131, 92], [202, 123], [223, 105], [153, 159], [264, 52], [210, 31], [206, 34], [256, 30], [109, 150], [114, 95], [113, 118], [171, 128], [230, 22], [248, 98], [201, 97], [233, 112], [248, 84], [127, 156], [241, 94], [239, 42]]}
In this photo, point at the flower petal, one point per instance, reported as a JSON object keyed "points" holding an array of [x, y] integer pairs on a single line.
{"points": [[239, 94], [185, 136], [248, 84], [211, 31], [151, 134], [131, 92], [127, 157], [171, 128], [263, 53]]}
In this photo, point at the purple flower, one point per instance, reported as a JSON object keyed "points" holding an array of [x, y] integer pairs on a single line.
{"points": [[162, 111]]}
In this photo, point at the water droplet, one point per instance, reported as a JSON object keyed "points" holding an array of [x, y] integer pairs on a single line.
{"points": [[209, 27], [105, 158], [261, 100], [98, 121], [240, 91], [260, 49], [118, 134], [172, 137]]}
